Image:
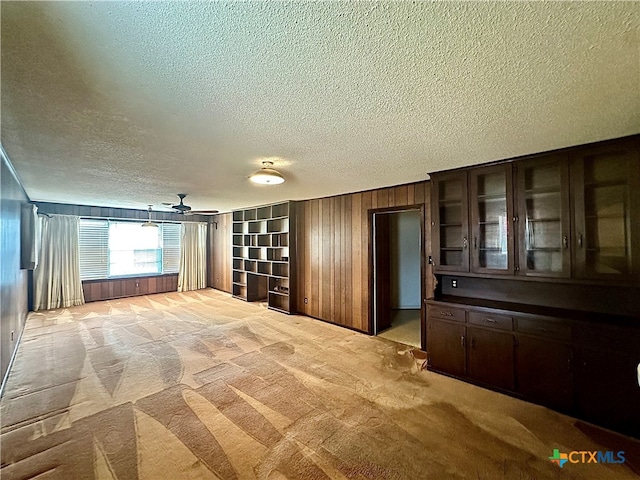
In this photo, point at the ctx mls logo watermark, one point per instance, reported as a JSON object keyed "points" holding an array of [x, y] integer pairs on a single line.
{"points": [[581, 456]]}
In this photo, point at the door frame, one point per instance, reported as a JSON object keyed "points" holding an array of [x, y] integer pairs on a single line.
{"points": [[423, 270]]}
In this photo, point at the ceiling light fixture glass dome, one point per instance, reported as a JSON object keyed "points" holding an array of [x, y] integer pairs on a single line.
{"points": [[267, 175]]}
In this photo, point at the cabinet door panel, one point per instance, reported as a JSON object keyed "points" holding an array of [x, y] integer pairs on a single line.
{"points": [[491, 219], [490, 357], [542, 201], [450, 221], [607, 389], [544, 371], [606, 186], [446, 347]]}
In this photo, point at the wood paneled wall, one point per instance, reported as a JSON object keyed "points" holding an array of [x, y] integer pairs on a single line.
{"points": [[334, 249], [95, 290], [221, 252], [13, 280]]}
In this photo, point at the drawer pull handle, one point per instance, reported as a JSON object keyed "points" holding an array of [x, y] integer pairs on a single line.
{"points": [[542, 330], [490, 320], [446, 314]]}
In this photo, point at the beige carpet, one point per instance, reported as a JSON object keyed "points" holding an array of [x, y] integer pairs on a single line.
{"points": [[405, 328], [203, 386]]}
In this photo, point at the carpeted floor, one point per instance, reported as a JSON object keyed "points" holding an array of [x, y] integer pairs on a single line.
{"points": [[203, 386], [405, 327]]}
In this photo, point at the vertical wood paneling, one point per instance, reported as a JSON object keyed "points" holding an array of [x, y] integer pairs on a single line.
{"points": [[368, 199], [334, 235], [326, 247], [356, 261], [13, 279], [221, 252], [315, 300]]}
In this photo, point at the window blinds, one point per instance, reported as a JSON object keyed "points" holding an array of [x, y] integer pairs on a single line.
{"points": [[95, 255]]}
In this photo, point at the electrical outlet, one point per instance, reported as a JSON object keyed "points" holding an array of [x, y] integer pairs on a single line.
{"points": [[454, 283], [306, 300]]}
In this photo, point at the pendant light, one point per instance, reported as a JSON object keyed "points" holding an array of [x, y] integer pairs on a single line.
{"points": [[149, 223], [267, 175]]}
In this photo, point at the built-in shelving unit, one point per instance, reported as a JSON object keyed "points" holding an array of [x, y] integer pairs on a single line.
{"points": [[262, 243]]}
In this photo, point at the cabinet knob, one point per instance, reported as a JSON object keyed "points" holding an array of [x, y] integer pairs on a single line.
{"points": [[462, 341], [565, 241]]}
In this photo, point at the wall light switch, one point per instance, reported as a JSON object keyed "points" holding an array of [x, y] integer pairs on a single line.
{"points": [[454, 283]]}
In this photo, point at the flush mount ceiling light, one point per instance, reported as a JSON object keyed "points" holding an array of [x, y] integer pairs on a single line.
{"points": [[149, 223], [267, 175]]}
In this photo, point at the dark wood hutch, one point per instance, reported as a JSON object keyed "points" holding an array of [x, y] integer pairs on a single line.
{"points": [[537, 261]]}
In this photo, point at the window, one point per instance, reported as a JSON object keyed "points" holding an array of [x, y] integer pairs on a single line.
{"points": [[110, 248]]}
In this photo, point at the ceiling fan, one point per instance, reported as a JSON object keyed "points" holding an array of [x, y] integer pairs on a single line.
{"points": [[183, 209]]}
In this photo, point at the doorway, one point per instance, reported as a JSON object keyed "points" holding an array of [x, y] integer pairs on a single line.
{"points": [[397, 275]]}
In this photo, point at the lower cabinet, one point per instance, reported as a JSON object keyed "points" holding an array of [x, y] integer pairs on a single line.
{"points": [[490, 357], [584, 368], [447, 351], [607, 378], [544, 371]]}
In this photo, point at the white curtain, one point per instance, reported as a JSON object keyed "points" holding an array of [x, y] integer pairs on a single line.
{"points": [[56, 278], [193, 257]]}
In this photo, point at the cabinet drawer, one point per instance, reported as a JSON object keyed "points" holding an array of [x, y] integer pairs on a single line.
{"points": [[446, 313], [488, 319], [555, 329]]}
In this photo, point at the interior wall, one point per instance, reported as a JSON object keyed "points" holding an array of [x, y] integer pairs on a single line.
{"points": [[221, 252], [405, 260], [13, 280], [334, 248]]}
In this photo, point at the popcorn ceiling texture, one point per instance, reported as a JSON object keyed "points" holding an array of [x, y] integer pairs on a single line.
{"points": [[125, 104]]}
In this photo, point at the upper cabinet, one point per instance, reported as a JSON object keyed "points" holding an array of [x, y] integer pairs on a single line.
{"points": [[606, 192], [542, 216], [571, 214], [491, 219], [450, 218]]}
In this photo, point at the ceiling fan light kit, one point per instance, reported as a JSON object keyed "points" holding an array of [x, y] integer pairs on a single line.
{"points": [[267, 175]]}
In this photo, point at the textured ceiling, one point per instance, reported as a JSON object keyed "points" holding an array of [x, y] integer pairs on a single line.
{"points": [[124, 104]]}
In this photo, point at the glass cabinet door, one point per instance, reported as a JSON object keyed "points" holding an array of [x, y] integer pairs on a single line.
{"points": [[606, 213], [491, 215], [450, 222], [543, 217]]}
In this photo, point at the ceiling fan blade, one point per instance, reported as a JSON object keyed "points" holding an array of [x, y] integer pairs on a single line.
{"points": [[202, 212]]}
